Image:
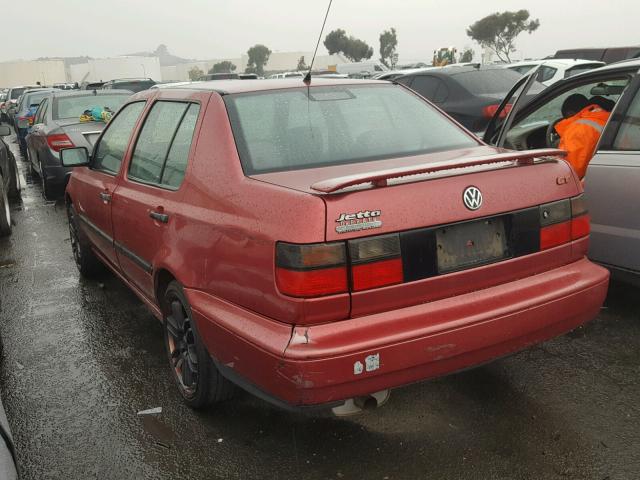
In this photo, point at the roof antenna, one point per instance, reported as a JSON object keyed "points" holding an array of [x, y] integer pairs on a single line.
{"points": [[307, 77]]}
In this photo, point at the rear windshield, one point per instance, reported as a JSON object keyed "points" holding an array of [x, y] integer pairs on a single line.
{"points": [[581, 69], [134, 86], [16, 92], [33, 99], [74, 106], [487, 82], [298, 128]]}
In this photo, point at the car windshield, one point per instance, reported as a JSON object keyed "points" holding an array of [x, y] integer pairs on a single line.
{"points": [[16, 92], [74, 106], [487, 82], [299, 128]]}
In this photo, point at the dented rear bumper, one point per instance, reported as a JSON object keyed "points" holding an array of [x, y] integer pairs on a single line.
{"points": [[324, 364]]}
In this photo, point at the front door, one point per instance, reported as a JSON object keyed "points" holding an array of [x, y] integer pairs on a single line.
{"points": [[100, 180], [612, 185], [146, 210]]}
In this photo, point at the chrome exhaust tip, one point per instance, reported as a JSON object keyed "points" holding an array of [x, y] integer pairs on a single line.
{"points": [[354, 406]]}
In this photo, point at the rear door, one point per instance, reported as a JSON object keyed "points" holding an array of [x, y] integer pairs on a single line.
{"points": [[611, 186], [148, 198], [96, 184]]}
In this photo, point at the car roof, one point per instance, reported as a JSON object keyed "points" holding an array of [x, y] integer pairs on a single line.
{"points": [[623, 66], [567, 62], [225, 87], [86, 93], [39, 90]]}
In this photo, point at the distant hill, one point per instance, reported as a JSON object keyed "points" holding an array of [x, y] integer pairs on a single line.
{"points": [[166, 59]]}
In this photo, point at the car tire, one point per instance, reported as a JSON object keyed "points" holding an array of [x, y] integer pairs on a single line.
{"points": [[15, 186], [46, 188], [5, 213], [88, 264], [32, 171], [198, 380]]}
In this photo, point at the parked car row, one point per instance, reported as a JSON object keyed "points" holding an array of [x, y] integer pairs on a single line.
{"points": [[303, 309]]}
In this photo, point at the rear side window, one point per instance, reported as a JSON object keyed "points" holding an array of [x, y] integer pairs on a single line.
{"points": [[298, 128], [431, 87], [546, 73], [161, 152], [42, 111], [110, 150], [628, 137], [487, 82], [176, 163]]}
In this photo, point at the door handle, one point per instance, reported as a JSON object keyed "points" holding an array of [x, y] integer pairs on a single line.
{"points": [[105, 197], [160, 217]]}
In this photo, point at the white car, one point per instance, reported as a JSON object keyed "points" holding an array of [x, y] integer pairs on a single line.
{"points": [[555, 69]]}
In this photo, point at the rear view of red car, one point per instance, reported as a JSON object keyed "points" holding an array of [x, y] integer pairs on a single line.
{"points": [[324, 243]]}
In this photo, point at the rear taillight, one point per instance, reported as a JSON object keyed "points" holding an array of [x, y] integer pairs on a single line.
{"points": [[563, 221], [311, 270], [490, 110], [323, 268], [375, 262], [28, 119], [59, 141]]}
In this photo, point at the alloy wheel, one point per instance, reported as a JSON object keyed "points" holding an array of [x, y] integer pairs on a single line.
{"points": [[182, 348], [75, 242]]}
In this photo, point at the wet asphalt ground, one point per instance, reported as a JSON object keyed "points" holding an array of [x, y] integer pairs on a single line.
{"points": [[81, 358]]}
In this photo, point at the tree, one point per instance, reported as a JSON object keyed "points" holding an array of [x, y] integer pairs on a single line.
{"points": [[498, 32], [353, 48], [388, 45], [222, 67], [195, 74], [301, 65], [258, 58], [467, 55]]}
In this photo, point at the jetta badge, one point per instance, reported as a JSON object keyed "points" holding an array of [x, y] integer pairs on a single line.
{"points": [[472, 198], [362, 220]]}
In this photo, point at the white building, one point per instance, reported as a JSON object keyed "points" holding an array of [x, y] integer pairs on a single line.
{"points": [[278, 62], [46, 72], [104, 69]]}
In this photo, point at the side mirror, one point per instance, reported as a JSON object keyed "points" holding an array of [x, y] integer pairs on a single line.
{"points": [[5, 131], [23, 123], [74, 157]]}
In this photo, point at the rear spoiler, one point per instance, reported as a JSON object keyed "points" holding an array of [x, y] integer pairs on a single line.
{"points": [[379, 178]]}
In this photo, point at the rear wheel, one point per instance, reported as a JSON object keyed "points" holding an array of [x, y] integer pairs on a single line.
{"points": [[198, 380], [86, 261], [47, 192], [5, 213], [32, 170], [14, 182]]}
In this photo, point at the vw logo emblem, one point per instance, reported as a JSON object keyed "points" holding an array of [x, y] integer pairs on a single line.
{"points": [[472, 198]]}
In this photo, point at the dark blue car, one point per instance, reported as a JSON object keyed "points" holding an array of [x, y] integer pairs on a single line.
{"points": [[25, 113]]}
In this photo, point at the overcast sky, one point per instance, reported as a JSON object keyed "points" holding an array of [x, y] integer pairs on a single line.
{"points": [[209, 29]]}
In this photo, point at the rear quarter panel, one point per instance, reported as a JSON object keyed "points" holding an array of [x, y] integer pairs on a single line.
{"points": [[230, 225]]}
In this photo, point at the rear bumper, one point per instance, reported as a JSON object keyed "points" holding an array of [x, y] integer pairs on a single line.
{"points": [[322, 364]]}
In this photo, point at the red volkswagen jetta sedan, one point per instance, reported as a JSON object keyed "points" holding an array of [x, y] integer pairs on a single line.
{"points": [[316, 244]]}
